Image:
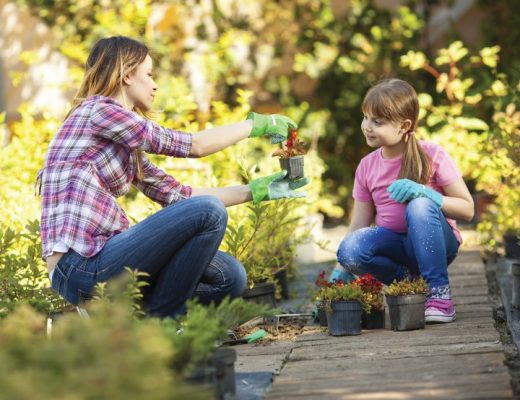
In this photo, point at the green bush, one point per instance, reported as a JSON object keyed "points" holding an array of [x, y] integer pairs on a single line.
{"points": [[23, 275], [108, 356]]}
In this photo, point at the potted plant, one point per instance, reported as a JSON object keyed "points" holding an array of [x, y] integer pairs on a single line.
{"points": [[264, 238], [291, 156], [344, 305], [196, 337], [406, 300], [373, 316], [321, 282]]}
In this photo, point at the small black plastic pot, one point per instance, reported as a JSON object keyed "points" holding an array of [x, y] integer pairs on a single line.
{"points": [[293, 166], [345, 318], [511, 245], [406, 312], [261, 293], [204, 376], [281, 277], [322, 314], [373, 320], [224, 361]]}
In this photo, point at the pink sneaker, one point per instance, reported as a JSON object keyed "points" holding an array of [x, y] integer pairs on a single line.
{"points": [[439, 310]]}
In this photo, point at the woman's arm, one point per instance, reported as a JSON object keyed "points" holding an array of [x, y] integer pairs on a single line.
{"points": [[230, 196], [211, 140], [457, 201], [362, 215]]}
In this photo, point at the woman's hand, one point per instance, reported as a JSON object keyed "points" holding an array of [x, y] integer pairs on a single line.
{"points": [[274, 187], [275, 126]]}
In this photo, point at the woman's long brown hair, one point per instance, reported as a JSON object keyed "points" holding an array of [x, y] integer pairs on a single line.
{"points": [[396, 100], [109, 61]]}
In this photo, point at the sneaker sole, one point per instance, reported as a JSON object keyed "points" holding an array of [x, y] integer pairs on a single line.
{"points": [[440, 318]]}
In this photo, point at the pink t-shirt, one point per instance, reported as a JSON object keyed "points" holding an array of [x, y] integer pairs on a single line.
{"points": [[374, 174]]}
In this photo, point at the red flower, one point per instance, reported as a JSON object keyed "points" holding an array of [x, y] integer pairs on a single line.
{"points": [[321, 281], [368, 283]]}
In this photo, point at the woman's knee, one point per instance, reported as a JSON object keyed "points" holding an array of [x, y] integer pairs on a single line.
{"points": [[234, 274], [212, 209]]}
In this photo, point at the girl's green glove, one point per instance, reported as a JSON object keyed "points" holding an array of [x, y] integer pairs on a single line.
{"points": [[405, 190], [274, 187], [275, 126]]}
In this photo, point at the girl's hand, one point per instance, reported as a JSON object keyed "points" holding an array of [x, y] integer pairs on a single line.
{"points": [[274, 187], [404, 190], [277, 127]]}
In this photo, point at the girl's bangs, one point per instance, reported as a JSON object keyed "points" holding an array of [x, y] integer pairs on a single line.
{"points": [[376, 104]]}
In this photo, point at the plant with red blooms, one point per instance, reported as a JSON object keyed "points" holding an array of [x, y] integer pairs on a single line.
{"points": [[321, 281], [293, 147], [339, 291], [373, 296]]}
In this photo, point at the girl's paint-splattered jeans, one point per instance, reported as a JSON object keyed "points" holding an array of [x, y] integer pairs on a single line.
{"points": [[427, 248]]}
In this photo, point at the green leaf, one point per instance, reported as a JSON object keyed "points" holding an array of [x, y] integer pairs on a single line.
{"points": [[472, 124]]}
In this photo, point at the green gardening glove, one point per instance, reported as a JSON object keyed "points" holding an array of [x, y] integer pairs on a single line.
{"points": [[405, 190], [275, 126], [274, 187]]}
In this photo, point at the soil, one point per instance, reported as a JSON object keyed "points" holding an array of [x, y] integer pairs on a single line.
{"points": [[512, 357], [286, 331]]}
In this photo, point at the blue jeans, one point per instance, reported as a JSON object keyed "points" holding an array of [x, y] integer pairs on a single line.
{"points": [[177, 247], [427, 248]]}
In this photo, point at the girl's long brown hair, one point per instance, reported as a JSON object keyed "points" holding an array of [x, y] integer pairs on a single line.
{"points": [[109, 61], [396, 100]]}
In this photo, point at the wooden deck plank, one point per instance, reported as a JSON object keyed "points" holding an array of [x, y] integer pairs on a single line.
{"points": [[460, 360]]}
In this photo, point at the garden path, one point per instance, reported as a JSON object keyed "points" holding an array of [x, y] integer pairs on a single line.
{"points": [[461, 360]]}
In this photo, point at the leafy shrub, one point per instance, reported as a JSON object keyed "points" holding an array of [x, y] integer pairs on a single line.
{"points": [[23, 275], [109, 355], [264, 236], [195, 336]]}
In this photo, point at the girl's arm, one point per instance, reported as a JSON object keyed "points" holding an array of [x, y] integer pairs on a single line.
{"points": [[211, 140], [457, 201], [362, 215], [230, 196]]}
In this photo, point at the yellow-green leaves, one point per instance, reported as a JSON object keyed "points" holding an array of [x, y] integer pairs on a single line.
{"points": [[490, 56], [414, 60], [454, 53]]}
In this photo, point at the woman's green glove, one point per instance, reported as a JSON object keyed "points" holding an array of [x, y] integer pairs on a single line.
{"points": [[274, 187], [275, 126]]}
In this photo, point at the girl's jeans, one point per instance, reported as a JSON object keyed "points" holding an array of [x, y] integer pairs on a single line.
{"points": [[177, 247], [427, 248]]}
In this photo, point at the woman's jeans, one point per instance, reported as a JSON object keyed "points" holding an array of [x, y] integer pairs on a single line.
{"points": [[427, 248], [177, 247]]}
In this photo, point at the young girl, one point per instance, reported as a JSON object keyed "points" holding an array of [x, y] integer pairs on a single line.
{"points": [[99, 152], [415, 191]]}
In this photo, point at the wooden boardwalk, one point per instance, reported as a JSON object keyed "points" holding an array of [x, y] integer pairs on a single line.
{"points": [[460, 360]]}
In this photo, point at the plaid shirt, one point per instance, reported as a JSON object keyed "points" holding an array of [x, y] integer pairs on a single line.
{"points": [[90, 162]]}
